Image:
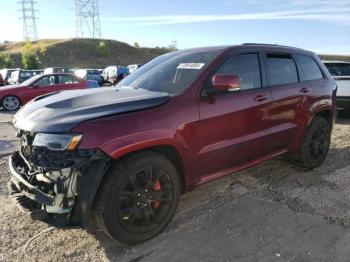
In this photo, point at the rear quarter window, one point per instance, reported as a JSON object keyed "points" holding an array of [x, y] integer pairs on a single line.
{"points": [[308, 68], [282, 69]]}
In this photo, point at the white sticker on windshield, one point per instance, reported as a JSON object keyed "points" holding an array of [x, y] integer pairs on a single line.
{"points": [[196, 66]]}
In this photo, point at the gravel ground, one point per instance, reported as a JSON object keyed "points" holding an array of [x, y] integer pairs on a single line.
{"points": [[272, 212]]}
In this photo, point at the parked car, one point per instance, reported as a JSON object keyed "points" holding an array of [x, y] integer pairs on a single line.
{"points": [[12, 97], [90, 74], [108, 72], [20, 76], [341, 73], [133, 68], [92, 84], [6, 73], [114, 74], [54, 70], [38, 71], [124, 155]]}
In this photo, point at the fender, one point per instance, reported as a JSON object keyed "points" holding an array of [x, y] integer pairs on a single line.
{"points": [[317, 107], [141, 141]]}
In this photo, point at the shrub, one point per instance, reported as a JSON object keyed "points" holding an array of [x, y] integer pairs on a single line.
{"points": [[30, 60], [102, 49], [5, 61]]}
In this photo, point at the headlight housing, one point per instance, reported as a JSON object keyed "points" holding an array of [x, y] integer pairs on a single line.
{"points": [[57, 142]]}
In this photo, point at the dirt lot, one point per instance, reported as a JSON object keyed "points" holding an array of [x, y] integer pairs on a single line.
{"points": [[272, 212]]}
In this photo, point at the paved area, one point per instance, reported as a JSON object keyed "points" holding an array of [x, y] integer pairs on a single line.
{"points": [[272, 212]]}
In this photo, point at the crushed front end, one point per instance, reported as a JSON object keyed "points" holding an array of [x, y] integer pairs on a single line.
{"points": [[57, 186]]}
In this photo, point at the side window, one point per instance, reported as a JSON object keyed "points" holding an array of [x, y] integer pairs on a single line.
{"points": [[45, 81], [308, 69], [67, 79], [246, 66], [282, 69]]}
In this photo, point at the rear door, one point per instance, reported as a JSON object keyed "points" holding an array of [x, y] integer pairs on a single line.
{"points": [[232, 125], [290, 99]]}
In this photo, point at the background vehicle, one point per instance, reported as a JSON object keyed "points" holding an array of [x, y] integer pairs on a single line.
{"points": [[19, 76], [341, 73], [133, 68], [2, 82], [53, 70], [6, 73], [121, 157], [12, 97], [92, 84], [113, 74], [90, 74]]}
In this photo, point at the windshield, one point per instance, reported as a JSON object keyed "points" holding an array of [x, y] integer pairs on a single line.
{"points": [[338, 69], [30, 81], [171, 73]]}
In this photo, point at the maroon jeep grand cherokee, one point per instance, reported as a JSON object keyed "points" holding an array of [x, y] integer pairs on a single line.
{"points": [[121, 156]]}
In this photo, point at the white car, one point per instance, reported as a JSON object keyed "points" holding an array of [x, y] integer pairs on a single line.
{"points": [[341, 74]]}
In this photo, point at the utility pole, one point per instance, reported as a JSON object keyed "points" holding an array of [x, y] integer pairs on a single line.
{"points": [[28, 15], [87, 19]]}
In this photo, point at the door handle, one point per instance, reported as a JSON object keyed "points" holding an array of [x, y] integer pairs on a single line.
{"points": [[304, 90], [260, 98]]}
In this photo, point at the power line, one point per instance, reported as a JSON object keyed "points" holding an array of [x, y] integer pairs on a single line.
{"points": [[28, 15], [87, 19]]}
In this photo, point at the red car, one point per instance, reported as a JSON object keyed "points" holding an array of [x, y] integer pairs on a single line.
{"points": [[13, 96], [119, 158]]}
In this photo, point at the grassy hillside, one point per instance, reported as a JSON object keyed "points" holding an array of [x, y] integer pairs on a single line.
{"points": [[83, 53], [335, 58]]}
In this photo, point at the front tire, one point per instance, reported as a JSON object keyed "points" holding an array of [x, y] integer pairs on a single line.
{"points": [[315, 147], [138, 197], [10, 103]]}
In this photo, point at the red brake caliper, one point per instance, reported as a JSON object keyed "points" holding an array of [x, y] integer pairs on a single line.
{"points": [[156, 187]]}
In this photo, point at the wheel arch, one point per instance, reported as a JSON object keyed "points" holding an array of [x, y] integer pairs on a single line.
{"points": [[170, 152], [326, 113]]}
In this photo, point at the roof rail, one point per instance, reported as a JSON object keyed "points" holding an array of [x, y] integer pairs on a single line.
{"points": [[264, 44]]}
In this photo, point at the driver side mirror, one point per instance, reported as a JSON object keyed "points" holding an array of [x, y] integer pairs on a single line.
{"points": [[228, 83]]}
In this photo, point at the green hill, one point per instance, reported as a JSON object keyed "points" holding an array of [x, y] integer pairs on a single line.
{"points": [[83, 53]]}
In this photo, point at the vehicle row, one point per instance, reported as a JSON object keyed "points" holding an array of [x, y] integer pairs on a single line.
{"points": [[109, 76]]}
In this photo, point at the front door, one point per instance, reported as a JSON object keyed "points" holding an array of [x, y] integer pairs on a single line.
{"points": [[42, 86], [232, 126]]}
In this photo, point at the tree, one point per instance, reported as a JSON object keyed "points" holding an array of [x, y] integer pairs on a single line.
{"points": [[30, 60], [102, 49], [136, 45], [5, 61]]}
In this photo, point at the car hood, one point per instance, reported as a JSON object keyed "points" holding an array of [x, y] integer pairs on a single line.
{"points": [[60, 112]]}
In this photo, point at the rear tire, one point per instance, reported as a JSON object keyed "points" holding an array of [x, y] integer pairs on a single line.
{"points": [[138, 197], [315, 147]]}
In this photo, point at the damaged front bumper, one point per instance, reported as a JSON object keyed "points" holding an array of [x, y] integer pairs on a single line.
{"points": [[61, 192]]}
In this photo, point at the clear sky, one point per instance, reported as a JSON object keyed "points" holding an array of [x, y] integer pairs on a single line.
{"points": [[319, 25]]}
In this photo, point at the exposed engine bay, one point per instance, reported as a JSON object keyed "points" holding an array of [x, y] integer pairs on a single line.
{"points": [[45, 182]]}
